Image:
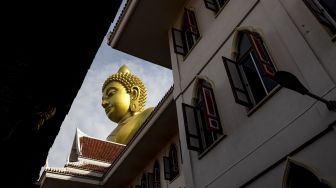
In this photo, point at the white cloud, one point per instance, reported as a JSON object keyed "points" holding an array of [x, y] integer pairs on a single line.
{"points": [[86, 112]]}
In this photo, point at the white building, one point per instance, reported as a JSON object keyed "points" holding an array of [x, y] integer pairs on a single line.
{"points": [[227, 123], [237, 126]]}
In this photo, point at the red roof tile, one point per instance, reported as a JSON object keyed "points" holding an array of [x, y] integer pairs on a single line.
{"points": [[99, 150]]}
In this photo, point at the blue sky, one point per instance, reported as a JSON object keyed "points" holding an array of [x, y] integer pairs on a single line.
{"points": [[86, 112]]}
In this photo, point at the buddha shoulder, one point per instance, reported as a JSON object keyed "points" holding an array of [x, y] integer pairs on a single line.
{"points": [[143, 116], [147, 112]]}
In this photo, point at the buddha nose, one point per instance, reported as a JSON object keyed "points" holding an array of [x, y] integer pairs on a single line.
{"points": [[104, 103]]}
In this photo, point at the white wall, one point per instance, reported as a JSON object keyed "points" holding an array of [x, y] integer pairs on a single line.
{"points": [[178, 182], [318, 157]]}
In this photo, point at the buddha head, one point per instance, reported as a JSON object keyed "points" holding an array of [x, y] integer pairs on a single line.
{"points": [[124, 94]]}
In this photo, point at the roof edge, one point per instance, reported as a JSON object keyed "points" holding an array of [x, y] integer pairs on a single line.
{"points": [[125, 14]]}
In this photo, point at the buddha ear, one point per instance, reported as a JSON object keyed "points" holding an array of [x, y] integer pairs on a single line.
{"points": [[135, 94]]}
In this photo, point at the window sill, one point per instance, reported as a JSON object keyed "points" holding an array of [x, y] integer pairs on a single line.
{"points": [[257, 106], [203, 153], [186, 56]]}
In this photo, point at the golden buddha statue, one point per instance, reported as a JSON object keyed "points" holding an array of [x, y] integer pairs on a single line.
{"points": [[124, 98]]}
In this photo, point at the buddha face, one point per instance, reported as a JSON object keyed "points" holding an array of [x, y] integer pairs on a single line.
{"points": [[116, 101]]}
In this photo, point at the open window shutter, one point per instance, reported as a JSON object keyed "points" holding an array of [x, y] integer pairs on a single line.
{"points": [[191, 21], [174, 162], [211, 4], [179, 42], [328, 8], [156, 172], [210, 109], [321, 14], [263, 57], [167, 170], [150, 180], [192, 127], [156, 175], [236, 81], [143, 181]]}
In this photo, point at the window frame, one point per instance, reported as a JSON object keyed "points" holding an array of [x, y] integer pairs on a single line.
{"points": [[215, 5], [174, 163], [199, 134], [143, 183], [171, 171], [150, 180], [205, 93], [293, 167], [166, 168], [186, 38], [156, 175], [323, 16], [255, 52], [179, 45]]}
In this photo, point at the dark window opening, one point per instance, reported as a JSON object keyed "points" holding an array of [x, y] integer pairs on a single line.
{"points": [[297, 176], [143, 181], [156, 175], [215, 5], [171, 165], [185, 38], [325, 12], [150, 180], [202, 123], [251, 75]]}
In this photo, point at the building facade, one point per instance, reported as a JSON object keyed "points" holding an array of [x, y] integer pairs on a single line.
{"points": [[237, 126], [227, 122]]}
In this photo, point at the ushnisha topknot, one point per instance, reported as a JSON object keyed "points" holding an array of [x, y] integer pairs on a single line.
{"points": [[128, 80]]}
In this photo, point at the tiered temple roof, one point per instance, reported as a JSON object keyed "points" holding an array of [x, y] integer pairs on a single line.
{"points": [[89, 157]]}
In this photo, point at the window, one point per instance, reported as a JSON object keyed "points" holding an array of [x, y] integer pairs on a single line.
{"points": [[298, 176], [150, 180], [325, 12], [215, 5], [171, 166], [156, 174], [202, 123], [143, 181], [251, 75], [186, 38]]}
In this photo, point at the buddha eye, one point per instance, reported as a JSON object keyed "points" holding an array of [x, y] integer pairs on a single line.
{"points": [[111, 92]]}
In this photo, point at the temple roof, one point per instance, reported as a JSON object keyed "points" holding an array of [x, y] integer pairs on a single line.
{"points": [[89, 156], [99, 150], [92, 148]]}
